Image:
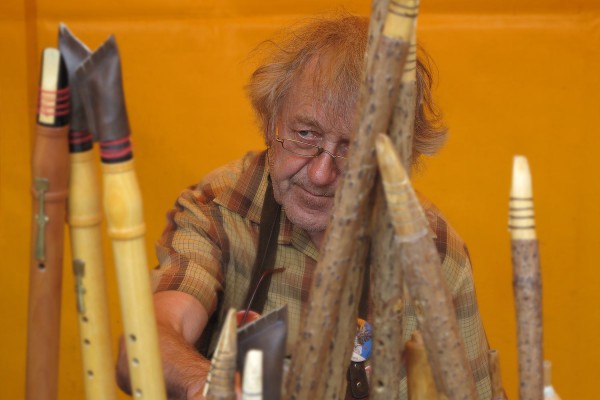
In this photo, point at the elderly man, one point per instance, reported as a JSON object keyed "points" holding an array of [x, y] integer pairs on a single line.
{"points": [[304, 96]]}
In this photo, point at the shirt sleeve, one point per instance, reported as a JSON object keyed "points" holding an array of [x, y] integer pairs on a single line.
{"points": [[190, 250]]}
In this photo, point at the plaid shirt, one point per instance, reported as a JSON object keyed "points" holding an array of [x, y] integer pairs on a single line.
{"points": [[209, 245]]}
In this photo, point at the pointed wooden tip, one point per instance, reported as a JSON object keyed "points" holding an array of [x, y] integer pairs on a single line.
{"points": [[220, 384], [521, 178]]}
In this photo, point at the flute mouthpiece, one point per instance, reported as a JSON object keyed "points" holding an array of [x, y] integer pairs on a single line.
{"points": [[521, 214]]}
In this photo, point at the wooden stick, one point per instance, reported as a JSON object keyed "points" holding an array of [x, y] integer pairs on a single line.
{"points": [[50, 173], [387, 279], [527, 283], [329, 320], [424, 280], [495, 375], [421, 385], [220, 384]]}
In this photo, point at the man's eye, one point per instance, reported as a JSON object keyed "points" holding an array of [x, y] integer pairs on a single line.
{"points": [[305, 135]]}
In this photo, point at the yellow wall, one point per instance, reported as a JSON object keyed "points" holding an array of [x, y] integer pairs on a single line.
{"points": [[513, 78]]}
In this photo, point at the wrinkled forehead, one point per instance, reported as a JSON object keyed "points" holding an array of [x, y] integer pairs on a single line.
{"points": [[322, 89]]}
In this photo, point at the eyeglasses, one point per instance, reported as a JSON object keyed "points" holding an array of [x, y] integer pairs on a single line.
{"points": [[307, 150]]}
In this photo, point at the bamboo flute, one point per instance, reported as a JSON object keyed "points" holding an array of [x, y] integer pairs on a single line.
{"points": [[421, 385], [527, 283], [320, 360], [85, 217], [495, 375], [220, 384], [387, 279], [104, 101], [424, 280], [50, 173]]}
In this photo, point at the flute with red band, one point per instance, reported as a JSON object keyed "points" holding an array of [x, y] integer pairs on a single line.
{"points": [[85, 217], [50, 170], [527, 283], [101, 86]]}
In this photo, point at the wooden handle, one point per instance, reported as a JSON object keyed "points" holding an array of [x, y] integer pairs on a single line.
{"points": [[527, 283], [85, 216], [123, 210]]}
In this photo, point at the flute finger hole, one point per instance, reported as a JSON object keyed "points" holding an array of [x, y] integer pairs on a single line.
{"points": [[135, 362], [87, 342], [138, 392], [90, 373], [41, 266], [132, 337]]}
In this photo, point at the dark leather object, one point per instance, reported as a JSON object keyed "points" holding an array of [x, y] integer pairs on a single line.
{"points": [[269, 334], [74, 52], [101, 88], [358, 385]]}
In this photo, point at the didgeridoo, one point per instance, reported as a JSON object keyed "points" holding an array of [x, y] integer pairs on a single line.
{"points": [[527, 283], [85, 217], [104, 102], [424, 279], [387, 282], [320, 360], [50, 172]]}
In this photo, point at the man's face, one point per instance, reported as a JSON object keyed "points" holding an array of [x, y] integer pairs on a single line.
{"points": [[305, 186]]}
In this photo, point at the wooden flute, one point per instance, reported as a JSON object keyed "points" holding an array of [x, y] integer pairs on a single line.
{"points": [[50, 170], [527, 283], [85, 217], [104, 102], [424, 280], [329, 324]]}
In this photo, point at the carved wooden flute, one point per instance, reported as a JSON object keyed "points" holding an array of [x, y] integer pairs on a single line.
{"points": [[330, 322], [424, 280], [527, 283], [50, 170], [85, 217], [104, 101]]}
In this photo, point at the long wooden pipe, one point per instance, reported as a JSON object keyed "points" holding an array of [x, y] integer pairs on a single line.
{"points": [[387, 281], [50, 171], [104, 100], [85, 217], [329, 319], [527, 283], [424, 279]]}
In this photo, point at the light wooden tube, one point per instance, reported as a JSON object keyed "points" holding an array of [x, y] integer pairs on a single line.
{"points": [[495, 375], [424, 280], [319, 363], [253, 376], [421, 385], [50, 173], [527, 283], [85, 216], [126, 228], [220, 384], [386, 278]]}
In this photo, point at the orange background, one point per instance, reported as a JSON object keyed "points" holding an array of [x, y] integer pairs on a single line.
{"points": [[514, 78]]}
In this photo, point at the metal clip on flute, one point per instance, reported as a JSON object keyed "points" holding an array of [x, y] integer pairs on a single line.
{"points": [[50, 170], [104, 102], [85, 217], [424, 280], [527, 283]]}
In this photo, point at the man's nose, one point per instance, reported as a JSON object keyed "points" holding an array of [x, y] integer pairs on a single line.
{"points": [[323, 170]]}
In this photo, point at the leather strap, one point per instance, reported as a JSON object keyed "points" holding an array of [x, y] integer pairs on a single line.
{"points": [[358, 385], [266, 252]]}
